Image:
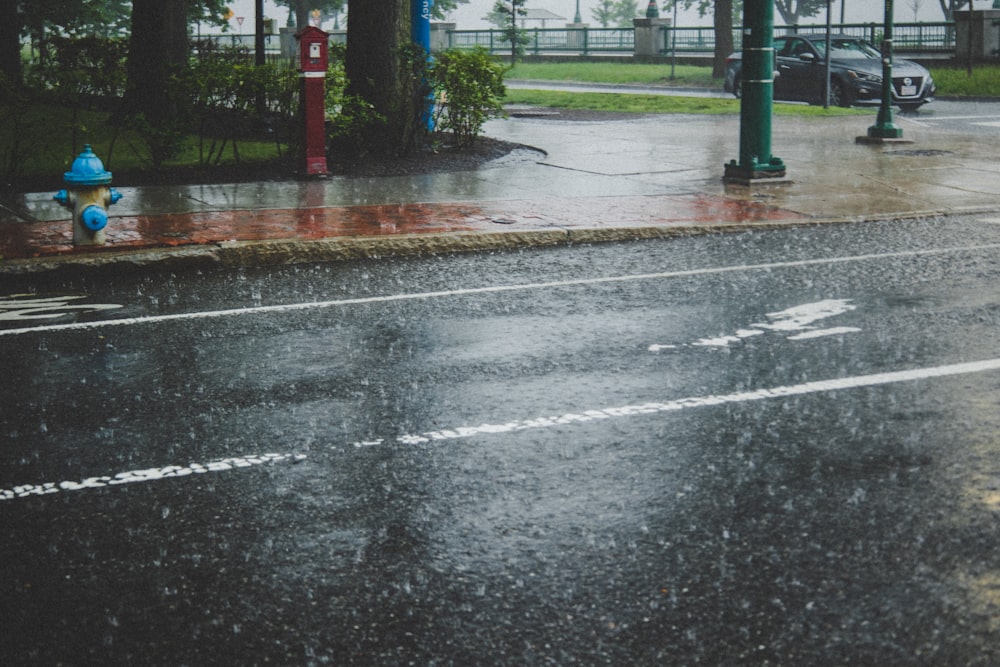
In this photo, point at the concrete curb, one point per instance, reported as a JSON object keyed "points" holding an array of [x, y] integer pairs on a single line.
{"points": [[247, 254]]}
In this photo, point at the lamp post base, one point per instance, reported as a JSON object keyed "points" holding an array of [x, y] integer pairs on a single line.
{"points": [[772, 173], [876, 138]]}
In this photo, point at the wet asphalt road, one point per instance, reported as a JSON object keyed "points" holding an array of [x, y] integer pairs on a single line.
{"points": [[768, 448]]}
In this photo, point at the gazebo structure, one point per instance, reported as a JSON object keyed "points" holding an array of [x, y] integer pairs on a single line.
{"points": [[540, 16]]}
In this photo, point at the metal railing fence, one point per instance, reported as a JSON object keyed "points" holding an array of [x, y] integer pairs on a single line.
{"points": [[909, 38]]}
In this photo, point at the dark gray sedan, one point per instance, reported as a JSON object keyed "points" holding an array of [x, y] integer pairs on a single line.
{"points": [[855, 73]]}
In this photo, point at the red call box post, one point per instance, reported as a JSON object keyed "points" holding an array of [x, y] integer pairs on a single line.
{"points": [[313, 46]]}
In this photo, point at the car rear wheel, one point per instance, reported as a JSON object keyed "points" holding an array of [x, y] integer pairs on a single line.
{"points": [[738, 87], [839, 95]]}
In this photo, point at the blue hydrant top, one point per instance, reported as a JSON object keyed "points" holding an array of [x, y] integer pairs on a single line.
{"points": [[87, 170]]}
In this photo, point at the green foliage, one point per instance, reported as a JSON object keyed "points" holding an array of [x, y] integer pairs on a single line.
{"points": [[107, 18], [505, 13], [442, 7], [470, 86], [616, 13], [225, 98], [347, 116], [14, 144], [623, 11], [161, 140], [89, 65]]}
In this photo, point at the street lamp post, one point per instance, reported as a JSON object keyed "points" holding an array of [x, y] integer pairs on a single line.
{"points": [[673, 43], [884, 128], [756, 105]]}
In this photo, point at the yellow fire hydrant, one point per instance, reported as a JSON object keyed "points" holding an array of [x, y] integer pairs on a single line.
{"points": [[89, 195]]}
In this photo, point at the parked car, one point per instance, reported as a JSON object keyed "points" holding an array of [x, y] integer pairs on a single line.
{"points": [[855, 73]]}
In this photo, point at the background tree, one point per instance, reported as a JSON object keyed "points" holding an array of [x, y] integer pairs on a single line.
{"points": [[505, 13], [604, 12], [442, 7], [379, 69], [301, 8], [11, 24], [949, 7], [723, 24], [793, 11], [624, 12], [158, 47], [725, 14], [18, 18]]}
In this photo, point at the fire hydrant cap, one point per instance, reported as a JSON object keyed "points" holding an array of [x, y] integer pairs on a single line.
{"points": [[87, 170]]}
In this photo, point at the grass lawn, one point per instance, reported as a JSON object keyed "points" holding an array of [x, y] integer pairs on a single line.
{"points": [[658, 103], [951, 81], [611, 72]]}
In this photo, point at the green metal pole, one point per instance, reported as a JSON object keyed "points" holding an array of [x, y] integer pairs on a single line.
{"points": [[884, 127], [756, 106]]}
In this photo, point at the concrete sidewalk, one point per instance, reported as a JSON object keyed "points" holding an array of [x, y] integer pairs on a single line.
{"points": [[588, 181]]}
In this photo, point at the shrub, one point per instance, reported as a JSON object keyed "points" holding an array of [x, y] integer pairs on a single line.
{"points": [[471, 91], [347, 116]]}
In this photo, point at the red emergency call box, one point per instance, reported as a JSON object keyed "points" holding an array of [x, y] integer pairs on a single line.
{"points": [[313, 45]]}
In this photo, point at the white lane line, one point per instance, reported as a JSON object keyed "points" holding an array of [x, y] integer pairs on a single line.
{"points": [[703, 401], [221, 465], [936, 118], [145, 475], [496, 289]]}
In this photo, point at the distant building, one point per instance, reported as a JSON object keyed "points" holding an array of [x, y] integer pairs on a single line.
{"points": [[540, 16]]}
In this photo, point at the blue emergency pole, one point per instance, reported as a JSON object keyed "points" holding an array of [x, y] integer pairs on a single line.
{"points": [[420, 33]]}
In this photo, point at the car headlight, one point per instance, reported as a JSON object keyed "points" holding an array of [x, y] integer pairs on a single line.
{"points": [[864, 76]]}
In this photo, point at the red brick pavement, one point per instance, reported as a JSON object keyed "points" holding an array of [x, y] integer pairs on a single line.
{"points": [[41, 239]]}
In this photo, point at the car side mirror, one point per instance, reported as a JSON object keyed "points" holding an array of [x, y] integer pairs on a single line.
{"points": [[807, 57]]}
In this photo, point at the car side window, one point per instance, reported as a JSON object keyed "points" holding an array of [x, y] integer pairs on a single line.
{"points": [[780, 46], [800, 46]]}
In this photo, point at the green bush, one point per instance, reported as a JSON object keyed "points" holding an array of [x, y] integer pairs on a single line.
{"points": [[92, 67], [347, 116], [470, 90]]}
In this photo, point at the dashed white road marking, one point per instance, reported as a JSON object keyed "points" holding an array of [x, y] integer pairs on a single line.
{"points": [[144, 475], [566, 419], [790, 320]]}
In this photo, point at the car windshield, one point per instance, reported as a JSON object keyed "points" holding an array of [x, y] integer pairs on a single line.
{"points": [[847, 48]]}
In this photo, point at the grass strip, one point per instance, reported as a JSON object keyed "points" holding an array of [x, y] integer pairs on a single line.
{"points": [[660, 104]]}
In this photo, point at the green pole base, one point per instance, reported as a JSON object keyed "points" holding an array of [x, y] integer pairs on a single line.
{"points": [[886, 131], [745, 174]]}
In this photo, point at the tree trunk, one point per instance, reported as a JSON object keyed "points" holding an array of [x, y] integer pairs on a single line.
{"points": [[301, 14], [378, 72], [159, 44], [11, 22], [723, 36]]}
